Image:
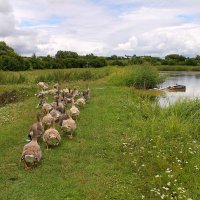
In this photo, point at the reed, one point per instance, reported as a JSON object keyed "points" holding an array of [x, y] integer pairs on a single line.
{"points": [[11, 78], [73, 75]]}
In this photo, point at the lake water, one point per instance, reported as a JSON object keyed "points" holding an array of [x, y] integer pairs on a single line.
{"points": [[190, 79]]}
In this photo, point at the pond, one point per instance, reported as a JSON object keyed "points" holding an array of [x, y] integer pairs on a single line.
{"points": [[190, 79]]}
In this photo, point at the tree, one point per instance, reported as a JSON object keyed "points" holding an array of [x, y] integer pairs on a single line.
{"points": [[191, 62], [97, 62], [5, 49], [66, 54], [114, 57], [9, 60], [175, 57], [91, 55]]}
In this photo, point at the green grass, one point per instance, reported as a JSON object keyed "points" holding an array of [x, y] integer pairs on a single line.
{"points": [[177, 68], [52, 76], [11, 78], [126, 147]]}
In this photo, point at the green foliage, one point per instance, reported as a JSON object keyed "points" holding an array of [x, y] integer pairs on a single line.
{"points": [[11, 61], [175, 57], [11, 78], [5, 49], [96, 62], [143, 77], [191, 62], [66, 54], [117, 63], [144, 60], [73, 75], [177, 68]]}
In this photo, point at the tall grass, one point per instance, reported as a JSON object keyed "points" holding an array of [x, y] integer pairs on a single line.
{"points": [[140, 77], [163, 148], [73, 75], [177, 68], [11, 78], [145, 77]]}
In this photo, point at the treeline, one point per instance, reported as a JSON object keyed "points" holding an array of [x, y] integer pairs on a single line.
{"points": [[11, 61], [172, 59]]}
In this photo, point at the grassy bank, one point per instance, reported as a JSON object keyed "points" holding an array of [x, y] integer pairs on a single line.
{"points": [[177, 68], [126, 147], [70, 75]]}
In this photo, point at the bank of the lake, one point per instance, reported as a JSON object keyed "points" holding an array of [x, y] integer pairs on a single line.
{"points": [[126, 147]]}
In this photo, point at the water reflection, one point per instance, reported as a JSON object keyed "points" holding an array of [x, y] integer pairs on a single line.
{"points": [[190, 79]]}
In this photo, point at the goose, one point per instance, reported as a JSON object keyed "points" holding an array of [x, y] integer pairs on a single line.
{"points": [[42, 99], [58, 105], [81, 101], [46, 107], [31, 154], [52, 92], [74, 111], [68, 124], [66, 91], [64, 100], [51, 136], [36, 129], [86, 94], [47, 120], [75, 92], [42, 85], [55, 114], [56, 86]]}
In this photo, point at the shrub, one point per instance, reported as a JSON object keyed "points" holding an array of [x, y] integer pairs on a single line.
{"points": [[143, 77]]}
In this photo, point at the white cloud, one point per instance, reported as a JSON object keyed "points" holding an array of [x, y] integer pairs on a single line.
{"points": [[128, 46], [183, 39], [105, 27], [6, 19], [5, 7]]}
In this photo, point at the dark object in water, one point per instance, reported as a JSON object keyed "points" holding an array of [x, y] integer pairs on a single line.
{"points": [[178, 88]]}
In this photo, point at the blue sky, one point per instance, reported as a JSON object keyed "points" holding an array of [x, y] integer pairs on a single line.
{"points": [[51, 21], [102, 27]]}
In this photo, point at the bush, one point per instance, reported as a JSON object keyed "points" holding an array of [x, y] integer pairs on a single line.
{"points": [[97, 62], [143, 77], [117, 63]]}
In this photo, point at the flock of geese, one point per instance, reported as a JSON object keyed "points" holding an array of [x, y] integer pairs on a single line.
{"points": [[55, 112]]}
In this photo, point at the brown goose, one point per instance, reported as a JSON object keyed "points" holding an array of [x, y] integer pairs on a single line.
{"points": [[47, 120], [42, 85], [46, 107], [51, 136], [68, 125], [55, 114], [36, 129], [74, 111], [80, 102], [86, 94], [58, 105], [31, 154]]}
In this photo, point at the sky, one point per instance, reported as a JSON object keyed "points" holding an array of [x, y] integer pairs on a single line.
{"points": [[101, 27]]}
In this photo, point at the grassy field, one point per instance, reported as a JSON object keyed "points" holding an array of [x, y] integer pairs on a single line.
{"points": [[126, 147]]}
